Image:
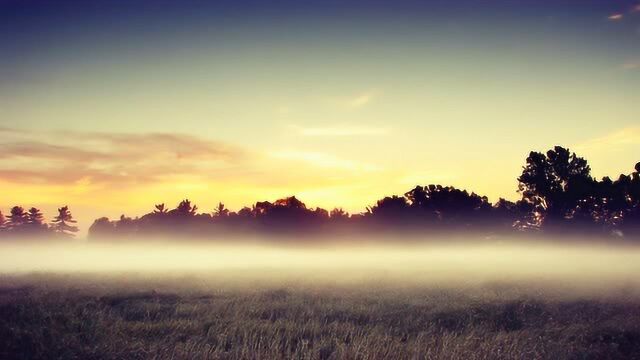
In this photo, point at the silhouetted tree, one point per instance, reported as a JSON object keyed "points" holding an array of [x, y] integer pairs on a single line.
{"points": [[35, 217], [449, 205], [246, 212], [35, 222], [221, 211], [554, 184], [287, 214], [557, 190], [102, 228], [506, 214], [290, 203], [160, 209], [390, 209], [621, 206], [261, 208], [61, 224], [126, 225], [17, 218], [320, 214], [339, 214], [185, 209]]}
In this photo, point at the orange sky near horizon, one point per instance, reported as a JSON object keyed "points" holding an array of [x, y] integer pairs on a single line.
{"points": [[100, 174]]}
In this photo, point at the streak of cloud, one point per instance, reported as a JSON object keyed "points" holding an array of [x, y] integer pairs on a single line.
{"points": [[615, 17], [101, 160], [361, 100], [616, 140], [107, 157]]}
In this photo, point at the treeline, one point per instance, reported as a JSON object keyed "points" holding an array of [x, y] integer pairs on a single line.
{"points": [[21, 223], [559, 195]]}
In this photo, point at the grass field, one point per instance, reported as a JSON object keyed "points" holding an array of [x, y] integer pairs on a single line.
{"points": [[191, 317]]}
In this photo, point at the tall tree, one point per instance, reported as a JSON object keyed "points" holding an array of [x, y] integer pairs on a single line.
{"points": [[17, 217], [221, 211], [185, 208], [627, 191], [35, 217], [61, 224], [554, 183], [449, 204], [35, 222], [390, 209]]}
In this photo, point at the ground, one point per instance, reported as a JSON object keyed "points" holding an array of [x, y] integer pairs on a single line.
{"points": [[129, 317]]}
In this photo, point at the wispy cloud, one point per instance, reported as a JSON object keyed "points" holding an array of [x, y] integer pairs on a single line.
{"points": [[66, 157], [613, 141], [117, 161], [341, 131], [621, 15], [615, 17], [631, 65], [361, 100]]}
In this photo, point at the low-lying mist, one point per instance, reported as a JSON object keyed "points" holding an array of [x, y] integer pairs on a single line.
{"points": [[580, 266]]}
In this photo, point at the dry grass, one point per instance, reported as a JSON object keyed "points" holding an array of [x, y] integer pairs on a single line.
{"points": [[76, 317]]}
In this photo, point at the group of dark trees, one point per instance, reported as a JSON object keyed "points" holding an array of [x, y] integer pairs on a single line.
{"points": [[558, 195], [565, 197], [31, 223]]}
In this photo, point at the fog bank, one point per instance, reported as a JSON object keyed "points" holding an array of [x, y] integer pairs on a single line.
{"points": [[595, 266]]}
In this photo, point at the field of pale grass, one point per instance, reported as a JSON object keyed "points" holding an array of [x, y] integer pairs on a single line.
{"points": [[141, 317]]}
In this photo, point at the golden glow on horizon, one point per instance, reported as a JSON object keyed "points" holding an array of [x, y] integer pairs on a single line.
{"points": [[130, 183]]}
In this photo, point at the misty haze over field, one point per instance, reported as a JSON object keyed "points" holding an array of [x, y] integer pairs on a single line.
{"points": [[579, 265], [454, 299]]}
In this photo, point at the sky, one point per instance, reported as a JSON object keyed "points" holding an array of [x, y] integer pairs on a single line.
{"points": [[113, 106]]}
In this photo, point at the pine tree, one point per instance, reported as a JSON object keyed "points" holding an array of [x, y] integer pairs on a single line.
{"points": [[35, 222], [17, 218], [61, 223], [35, 217]]}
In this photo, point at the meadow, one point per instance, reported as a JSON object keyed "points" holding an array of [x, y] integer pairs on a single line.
{"points": [[126, 316], [197, 301]]}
